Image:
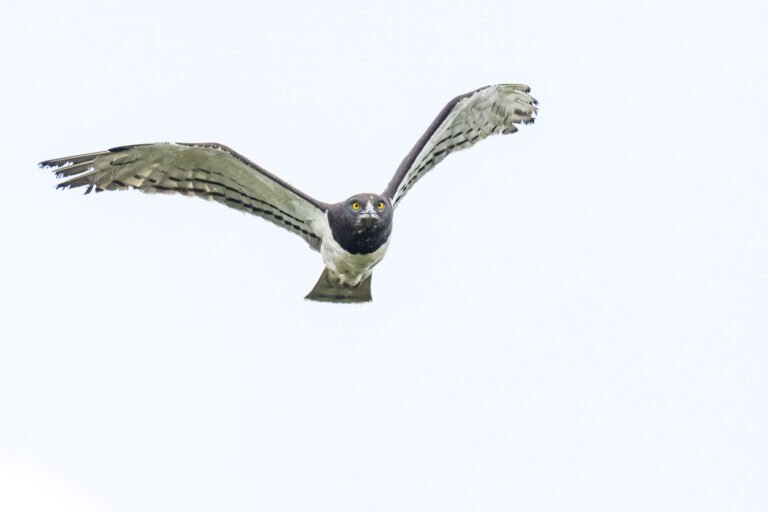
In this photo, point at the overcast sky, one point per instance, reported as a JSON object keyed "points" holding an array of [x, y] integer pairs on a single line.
{"points": [[569, 318]]}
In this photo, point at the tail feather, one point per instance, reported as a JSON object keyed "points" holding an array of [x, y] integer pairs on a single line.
{"points": [[329, 290]]}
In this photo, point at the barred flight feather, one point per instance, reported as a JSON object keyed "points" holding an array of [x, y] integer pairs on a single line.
{"points": [[464, 121], [210, 171]]}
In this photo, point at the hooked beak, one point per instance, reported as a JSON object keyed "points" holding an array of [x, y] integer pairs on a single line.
{"points": [[369, 214]]}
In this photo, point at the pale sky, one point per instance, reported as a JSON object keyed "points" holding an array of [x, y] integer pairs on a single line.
{"points": [[569, 318]]}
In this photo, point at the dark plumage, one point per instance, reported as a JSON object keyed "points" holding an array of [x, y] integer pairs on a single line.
{"points": [[363, 231]]}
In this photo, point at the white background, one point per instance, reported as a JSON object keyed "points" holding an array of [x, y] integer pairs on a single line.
{"points": [[570, 318]]}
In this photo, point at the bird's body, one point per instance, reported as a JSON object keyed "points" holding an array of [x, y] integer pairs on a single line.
{"points": [[352, 235]]}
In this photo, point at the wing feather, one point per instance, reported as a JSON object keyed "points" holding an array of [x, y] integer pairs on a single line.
{"points": [[207, 170], [464, 121]]}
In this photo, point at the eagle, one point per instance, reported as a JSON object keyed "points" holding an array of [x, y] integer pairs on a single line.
{"points": [[352, 235]]}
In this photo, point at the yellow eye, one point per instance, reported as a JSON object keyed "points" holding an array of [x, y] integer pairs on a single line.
{"points": [[355, 206], [381, 205]]}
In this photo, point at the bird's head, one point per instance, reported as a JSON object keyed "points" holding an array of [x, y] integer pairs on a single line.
{"points": [[362, 223]]}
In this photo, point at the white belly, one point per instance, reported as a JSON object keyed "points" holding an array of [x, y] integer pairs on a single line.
{"points": [[348, 268]]}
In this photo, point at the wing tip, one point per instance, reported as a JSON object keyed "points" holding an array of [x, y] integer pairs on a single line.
{"points": [[70, 161], [54, 163], [67, 185], [522, 88]]}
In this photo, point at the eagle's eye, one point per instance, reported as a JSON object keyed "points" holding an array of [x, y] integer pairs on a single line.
{"points": [[380, 205], [355, 206]]}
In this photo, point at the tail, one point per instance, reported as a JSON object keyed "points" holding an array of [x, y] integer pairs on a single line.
{"points": [[328, 290]]}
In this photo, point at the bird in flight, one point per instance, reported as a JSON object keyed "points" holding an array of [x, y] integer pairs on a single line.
{"points": [[352, 235]]}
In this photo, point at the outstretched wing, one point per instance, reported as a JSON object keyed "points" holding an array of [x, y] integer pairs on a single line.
{"points": [[465, 120], [207, 170]]}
